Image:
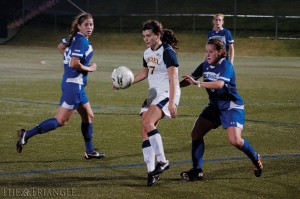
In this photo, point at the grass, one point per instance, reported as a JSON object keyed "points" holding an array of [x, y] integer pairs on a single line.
{"points": [[52, 164], [188, 43]]}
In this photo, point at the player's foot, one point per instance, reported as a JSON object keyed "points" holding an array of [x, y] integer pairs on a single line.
{"points": [[152, 179], [192, 175], [160, 167], [95, 154], [21, 140], [258, 167]]}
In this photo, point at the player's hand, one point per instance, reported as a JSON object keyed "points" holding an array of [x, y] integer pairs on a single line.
{"points": [[115, 88], [189, 79], [173, 110], [93, 67]]}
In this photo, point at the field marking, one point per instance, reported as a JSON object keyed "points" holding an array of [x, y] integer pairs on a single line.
{"points": [[130, 109], [138, 165]]}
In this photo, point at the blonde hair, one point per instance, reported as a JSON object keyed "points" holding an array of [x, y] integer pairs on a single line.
{"points": [[217, 15]]}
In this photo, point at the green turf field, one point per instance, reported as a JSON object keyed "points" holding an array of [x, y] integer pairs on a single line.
{"points": [[52, 165]]}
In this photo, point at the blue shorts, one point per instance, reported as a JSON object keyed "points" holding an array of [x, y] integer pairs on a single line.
{"points": [[73, 95], [231, 117]]}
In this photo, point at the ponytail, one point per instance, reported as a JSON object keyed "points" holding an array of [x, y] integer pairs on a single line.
{"points": [[168, 36]]}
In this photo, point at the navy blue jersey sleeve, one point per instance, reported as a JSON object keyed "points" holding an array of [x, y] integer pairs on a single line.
{"points": [[198, 72], [170, 57], [145, 63], [229, 38], [226, 71]]}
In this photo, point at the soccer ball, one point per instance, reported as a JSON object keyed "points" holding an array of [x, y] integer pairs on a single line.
{"points": [[122, 77]]}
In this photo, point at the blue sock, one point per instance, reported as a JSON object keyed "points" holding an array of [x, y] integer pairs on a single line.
{"points": [[249, 151], [87, 132], [197, 153], [44, 127]]}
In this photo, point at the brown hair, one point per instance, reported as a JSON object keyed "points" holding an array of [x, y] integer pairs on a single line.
{"points": [[167, 35], [77, 21], [219, 46]]}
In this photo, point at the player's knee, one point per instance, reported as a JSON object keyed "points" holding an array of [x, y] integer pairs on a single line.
{"points": [[236, 142], [147, 126], [88, 119], [62, 122], [91, 117]]}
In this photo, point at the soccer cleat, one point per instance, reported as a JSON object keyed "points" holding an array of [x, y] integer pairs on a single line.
{"points": [[160, 167], [192, 175], [21, 140], [258, 167], [95, 154], [152, 179]]}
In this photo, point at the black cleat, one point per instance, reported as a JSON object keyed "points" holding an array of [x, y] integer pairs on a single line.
{"points": [[152, 179], [160, 167], [258, 167], [95, 154], [192, 175], [21, 140]]}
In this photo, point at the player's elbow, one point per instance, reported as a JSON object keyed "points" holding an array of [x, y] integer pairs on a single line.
{"points": [[61, 48], [219, 84], [74, 63]]}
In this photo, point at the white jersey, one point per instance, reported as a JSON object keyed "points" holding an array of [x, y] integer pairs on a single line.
{"points": [[157, 63]]}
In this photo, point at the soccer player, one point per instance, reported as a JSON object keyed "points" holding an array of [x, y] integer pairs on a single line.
{"points": [[77, 52], [222, 34], [160, 66], [225, 108]]}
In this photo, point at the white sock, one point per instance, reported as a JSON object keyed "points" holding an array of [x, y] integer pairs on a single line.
{"points": [[157, 145], [149, 156]]}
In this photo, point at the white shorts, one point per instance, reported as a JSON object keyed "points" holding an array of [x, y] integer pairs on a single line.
{"points": [[161, 100]]}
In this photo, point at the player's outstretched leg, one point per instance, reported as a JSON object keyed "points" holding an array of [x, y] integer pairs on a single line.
{"points": [[44, 127], [258, 166], [21, 140]]}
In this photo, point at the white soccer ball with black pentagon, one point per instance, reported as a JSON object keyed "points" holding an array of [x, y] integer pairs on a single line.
{"points": [[122, 77]]}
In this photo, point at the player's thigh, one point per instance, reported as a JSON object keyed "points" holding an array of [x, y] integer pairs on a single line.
{"points": [[235, 136], [64, 115], [201, 127], [151, 117]]}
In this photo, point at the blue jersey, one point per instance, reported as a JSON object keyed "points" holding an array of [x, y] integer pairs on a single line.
{"points": [[82, 49], [226, 97], [224, 35]]}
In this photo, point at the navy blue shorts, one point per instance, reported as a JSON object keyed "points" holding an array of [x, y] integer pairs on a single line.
{"points": [[231, 117], [73, 95]]}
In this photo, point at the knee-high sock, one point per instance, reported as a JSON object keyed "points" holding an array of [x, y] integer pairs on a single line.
{"points": [[149, 156], [157, 145], [197, 153], [44, 127], [249, 151], [87, 132]]}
